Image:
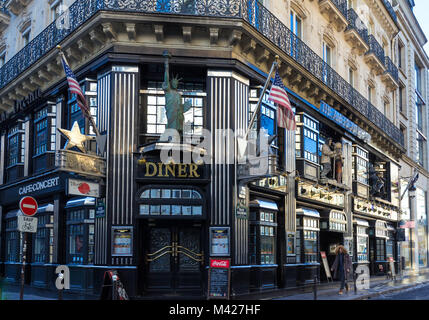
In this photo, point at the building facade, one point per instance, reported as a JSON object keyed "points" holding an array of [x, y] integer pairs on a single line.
{"points": [[412, 63], [159, 223]]}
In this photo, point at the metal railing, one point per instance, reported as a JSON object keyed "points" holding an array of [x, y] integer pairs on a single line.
{"points": [[341, 6], [356, 23], [389, 8], [391, 68], [376, 48], [249, 10]]}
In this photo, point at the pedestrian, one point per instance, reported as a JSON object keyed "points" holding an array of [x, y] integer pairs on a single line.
{"points": [[342, 267]]}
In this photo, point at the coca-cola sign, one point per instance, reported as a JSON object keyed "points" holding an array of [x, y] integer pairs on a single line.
{"points": [[219, 263]]}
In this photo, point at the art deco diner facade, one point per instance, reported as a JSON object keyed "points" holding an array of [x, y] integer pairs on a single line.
{"points": [[161, 224]]}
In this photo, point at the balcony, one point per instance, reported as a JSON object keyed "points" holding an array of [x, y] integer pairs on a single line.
{"points": [[390, 76], [250, 11], [85, 164], [16, 6], [375, 56], [356, 33], [335, 11], [390, 9]]}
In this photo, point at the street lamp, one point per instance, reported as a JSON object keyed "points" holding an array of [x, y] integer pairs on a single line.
{"points": [[412, 192]]}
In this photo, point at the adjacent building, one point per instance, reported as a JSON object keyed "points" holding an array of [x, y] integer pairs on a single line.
{"points": [[356, 76]]}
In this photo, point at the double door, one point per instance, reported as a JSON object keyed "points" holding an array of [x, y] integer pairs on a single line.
{"points": [[173, 259]]}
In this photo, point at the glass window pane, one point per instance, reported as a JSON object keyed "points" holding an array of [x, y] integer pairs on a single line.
{"points": [[165, 210], [155, 210], [197, 210], [155, 193], [187, 210], [175, 210], [166, 193]]}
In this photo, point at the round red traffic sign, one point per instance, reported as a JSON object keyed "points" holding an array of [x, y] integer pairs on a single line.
{"points": [[28, 206]]}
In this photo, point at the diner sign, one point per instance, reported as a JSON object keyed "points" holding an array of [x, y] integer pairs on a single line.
{"points": [[171, 170]]}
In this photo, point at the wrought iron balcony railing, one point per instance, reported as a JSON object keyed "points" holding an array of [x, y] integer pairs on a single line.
{"points": [[356, 23], [342, 6], [389, 8], [376, 48], [250, 10], [391, 68]]}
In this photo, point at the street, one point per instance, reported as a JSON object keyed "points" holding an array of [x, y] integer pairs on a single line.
{"points": [[419, 292]]}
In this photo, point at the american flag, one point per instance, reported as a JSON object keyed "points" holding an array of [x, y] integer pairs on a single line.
{"points": [[75, 88], [285, 115]]}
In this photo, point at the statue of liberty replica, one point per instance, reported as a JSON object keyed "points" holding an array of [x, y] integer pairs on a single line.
{"points": [[174, 107]]}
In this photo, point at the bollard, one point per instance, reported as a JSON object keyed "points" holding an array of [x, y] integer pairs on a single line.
{"points": [[315, 288]]}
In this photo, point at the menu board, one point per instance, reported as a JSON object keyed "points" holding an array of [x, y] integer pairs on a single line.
{"points": [[219, 239], [219, 279], [122, 241]]}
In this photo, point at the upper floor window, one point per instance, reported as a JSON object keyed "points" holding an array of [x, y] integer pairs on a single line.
{"points": [[156, 117], [401, 101], [421, 146], [370, 93], [387, 110], [25, 35], [419, 113], [56, 9], [296, 24], [418, 78], [401, 55], [89, 89], [44, 130], [2, 58], [327, 53], [16, 145]]}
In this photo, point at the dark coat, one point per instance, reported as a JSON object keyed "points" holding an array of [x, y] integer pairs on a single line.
{"points": [[347, 266]]}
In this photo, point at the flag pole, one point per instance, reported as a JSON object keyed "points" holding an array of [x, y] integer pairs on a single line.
{"points": [[258, 106], [91, 119]]}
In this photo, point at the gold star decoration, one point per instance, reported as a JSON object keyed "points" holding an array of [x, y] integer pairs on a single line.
{"points": [[75, 138]]}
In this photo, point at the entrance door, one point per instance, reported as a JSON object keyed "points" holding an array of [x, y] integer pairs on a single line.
{"points": [[173, 259]]}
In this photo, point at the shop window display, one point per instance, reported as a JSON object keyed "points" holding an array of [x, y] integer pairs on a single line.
{"points": [[263, 231], [43, 239], [80, 236], [307, 236], [13, 240], [362, 244]]}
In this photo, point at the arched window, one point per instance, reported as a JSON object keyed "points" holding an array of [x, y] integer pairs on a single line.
{"points": [[160, 201]]}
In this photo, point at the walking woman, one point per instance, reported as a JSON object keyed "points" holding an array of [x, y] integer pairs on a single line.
{"points": [[342, 267]]}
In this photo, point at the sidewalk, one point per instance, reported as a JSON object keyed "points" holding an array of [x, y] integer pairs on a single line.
{"points": [[378, 286], [12, 292]]}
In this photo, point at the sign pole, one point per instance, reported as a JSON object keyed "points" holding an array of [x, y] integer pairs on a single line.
{"points": [[24, 253]]}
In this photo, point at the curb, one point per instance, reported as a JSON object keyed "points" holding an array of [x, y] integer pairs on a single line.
{"points": [[376, 294]]}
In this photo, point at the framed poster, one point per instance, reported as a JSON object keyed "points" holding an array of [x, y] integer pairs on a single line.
{"points": [[122, 240], [219, 241]]}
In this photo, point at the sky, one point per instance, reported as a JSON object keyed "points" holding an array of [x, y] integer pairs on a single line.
{"points": [[421, 11]]}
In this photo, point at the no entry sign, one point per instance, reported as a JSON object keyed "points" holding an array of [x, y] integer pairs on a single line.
{"points": [[28, 206]]}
